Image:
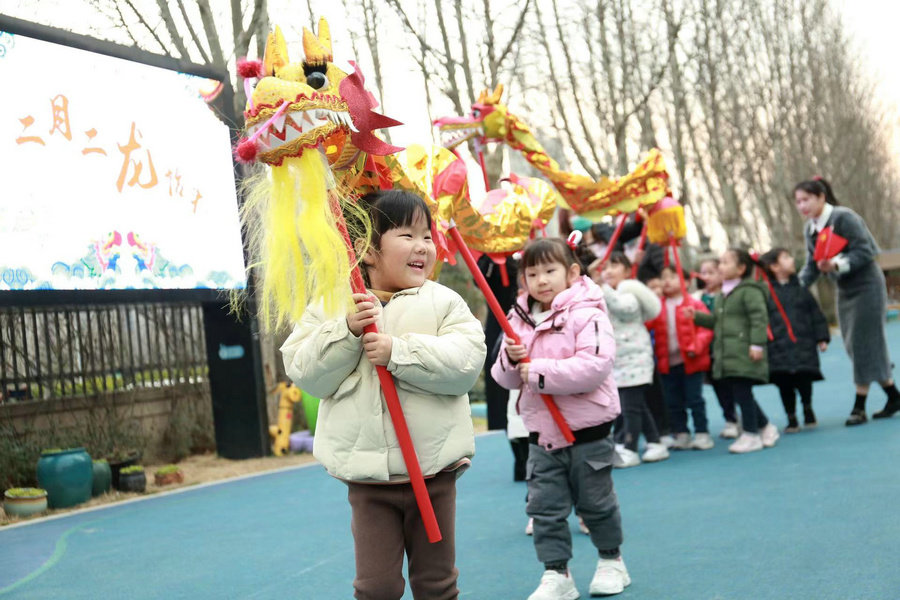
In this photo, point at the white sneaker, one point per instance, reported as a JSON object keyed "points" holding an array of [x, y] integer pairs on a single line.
{"points": [[529, 528], [555, 586], [769, 435], [655, 453], [582, 527], [747, 442], [627, 458], [611, 577], [702, 441], [667, 440], [730, 431], [682, 442]]}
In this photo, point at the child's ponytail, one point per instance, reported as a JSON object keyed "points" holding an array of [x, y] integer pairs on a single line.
{"points": [[770, 258], [743, 257], [818, 186], [547, 250]]}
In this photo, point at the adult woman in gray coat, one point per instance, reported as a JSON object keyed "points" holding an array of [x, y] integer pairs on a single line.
{"points": [[861, 291]]}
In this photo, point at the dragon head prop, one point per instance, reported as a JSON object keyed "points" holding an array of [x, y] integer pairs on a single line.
{"points": [[486, 122], [491, 121], [307, 104]]}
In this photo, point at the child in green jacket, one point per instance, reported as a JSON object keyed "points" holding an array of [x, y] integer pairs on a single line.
{"points": [[740, 319]]}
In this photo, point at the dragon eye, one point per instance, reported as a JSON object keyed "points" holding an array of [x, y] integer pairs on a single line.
{"points": [[476, 113], [316, 80]]}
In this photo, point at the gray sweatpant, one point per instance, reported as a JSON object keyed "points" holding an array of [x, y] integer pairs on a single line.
{"points": [[579, 475]]}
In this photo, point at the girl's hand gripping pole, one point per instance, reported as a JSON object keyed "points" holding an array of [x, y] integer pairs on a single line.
{"points": [[504, 323], [393, 403]]}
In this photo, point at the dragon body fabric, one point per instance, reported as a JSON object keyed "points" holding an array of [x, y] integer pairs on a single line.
{"points": [[491, 121], [313, 126]]}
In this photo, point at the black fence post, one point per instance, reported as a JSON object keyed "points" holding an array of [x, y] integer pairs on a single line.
{"points": [[236, 382]]}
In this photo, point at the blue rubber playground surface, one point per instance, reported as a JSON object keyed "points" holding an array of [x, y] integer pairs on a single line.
{"points": [[816, 517]]}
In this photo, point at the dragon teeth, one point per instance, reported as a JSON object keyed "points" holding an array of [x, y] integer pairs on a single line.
{"points": [[278, 123]]}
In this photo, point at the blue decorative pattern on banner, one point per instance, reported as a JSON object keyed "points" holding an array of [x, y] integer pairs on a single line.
{"points": [[7, 42]]}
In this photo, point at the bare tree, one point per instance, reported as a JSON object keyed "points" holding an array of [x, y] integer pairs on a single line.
{"points": [[476, 44], [214, 34]]}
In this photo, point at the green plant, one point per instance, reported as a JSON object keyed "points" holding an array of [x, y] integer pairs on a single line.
{"points": [[51, 451], [132, 469], [190, 428], [27, 492], [167, 470], [101, 460]]}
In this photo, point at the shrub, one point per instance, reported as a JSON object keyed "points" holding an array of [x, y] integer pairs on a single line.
{"points": [[167, 470], [102, 431], [27, 492], [132, 469]]}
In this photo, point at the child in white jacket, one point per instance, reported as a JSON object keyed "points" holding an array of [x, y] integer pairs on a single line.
{"points": [[434, 348], [630, 305]]}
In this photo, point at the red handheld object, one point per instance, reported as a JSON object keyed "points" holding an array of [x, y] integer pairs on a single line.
{"points": [[641, 245], [778, 305], [674, 245], [393, 402], [613, 240], [504, 324]]}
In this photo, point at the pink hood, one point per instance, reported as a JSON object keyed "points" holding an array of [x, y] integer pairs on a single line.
{"points": [[572, 354]]}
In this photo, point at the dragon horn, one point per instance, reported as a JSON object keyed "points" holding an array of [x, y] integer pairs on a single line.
{"points": [[495, 97], [276, 55], [317, 49], [488, 97]]}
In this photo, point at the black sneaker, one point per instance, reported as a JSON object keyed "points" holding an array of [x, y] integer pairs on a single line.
{"points": [[857, 417], [809, 417], [793, 426], [889, 410]]}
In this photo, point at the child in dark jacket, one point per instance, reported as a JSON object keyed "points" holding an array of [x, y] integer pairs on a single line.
{"points": [[793, 356], [682, 357]]}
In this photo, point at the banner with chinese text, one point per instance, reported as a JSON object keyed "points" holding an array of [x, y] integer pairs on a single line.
{"points": [[115, 175]]}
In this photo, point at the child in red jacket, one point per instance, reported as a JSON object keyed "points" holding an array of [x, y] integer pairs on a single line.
{"points": [[682, 357]]}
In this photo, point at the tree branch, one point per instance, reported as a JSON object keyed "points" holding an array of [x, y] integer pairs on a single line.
{"points": [[212, 34], [190, 27], [175, 39], [242, 38], [515, 34]]}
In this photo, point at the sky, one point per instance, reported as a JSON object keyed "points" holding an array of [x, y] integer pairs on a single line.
{"points": [[874, 25]]}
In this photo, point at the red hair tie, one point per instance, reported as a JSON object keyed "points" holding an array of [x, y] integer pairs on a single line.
{"points": [[574, 239], [817, 178]]}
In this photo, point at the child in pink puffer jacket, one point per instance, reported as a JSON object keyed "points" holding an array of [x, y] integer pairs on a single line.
{"points": [[564, 329]]}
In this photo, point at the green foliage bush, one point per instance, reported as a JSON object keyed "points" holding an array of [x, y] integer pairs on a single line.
{"points": [[28, 492]]}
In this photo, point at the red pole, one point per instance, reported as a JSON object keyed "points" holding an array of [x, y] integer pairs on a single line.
{"points": [[504, 323], [487, 185], [641, 245], [614, 239], [674, 245], [781, 311], [393, 401]]}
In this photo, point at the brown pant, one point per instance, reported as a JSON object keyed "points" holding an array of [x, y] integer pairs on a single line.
{"points": [[385, 523]]}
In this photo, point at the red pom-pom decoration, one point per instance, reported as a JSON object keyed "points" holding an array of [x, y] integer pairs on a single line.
{"points": [[248, 69], [245, 151]]}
